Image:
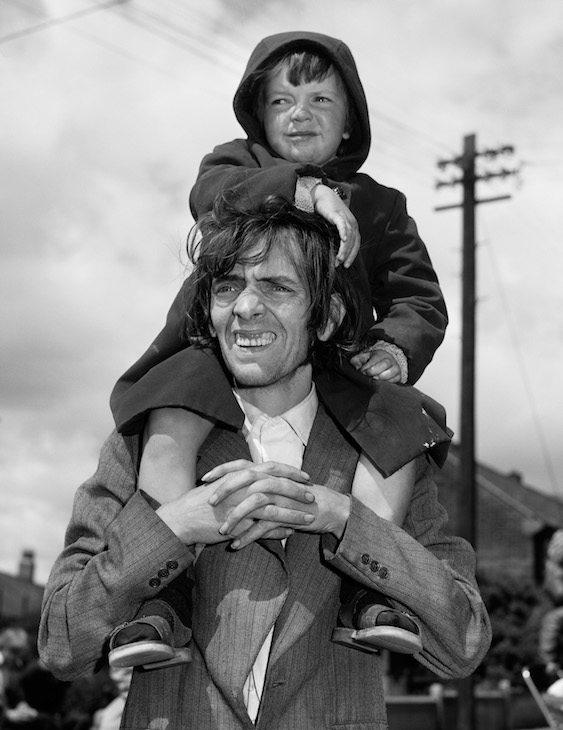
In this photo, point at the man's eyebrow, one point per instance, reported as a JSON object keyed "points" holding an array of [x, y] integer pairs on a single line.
{"points": [[228, 277], [281, 279]]}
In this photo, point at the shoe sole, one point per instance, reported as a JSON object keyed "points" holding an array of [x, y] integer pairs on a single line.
{"points": [[139, 653], [373, 639]]}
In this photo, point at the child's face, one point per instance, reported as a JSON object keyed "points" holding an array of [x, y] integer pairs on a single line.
{"points": [[305, 123]]}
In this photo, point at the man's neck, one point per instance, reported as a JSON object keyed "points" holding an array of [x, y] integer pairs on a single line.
{"points": [[275, 399]]}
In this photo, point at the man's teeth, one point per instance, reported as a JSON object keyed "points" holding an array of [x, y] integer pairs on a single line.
{"points": [[257, 340]]}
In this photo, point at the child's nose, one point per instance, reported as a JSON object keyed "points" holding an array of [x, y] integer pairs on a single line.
{"points": [[301, 112]]}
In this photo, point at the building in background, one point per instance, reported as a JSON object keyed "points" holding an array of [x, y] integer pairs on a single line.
{"points": [[514, 521], [20, 597]]}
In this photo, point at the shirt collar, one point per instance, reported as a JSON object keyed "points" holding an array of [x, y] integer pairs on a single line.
{"points": [[300, 417]]}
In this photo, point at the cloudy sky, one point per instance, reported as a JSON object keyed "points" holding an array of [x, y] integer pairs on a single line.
{"points": [[107, 109]]}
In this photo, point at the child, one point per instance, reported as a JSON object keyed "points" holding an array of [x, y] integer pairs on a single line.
{"points": [[303, 108]]}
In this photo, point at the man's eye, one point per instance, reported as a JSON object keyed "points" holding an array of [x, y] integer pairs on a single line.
{"points": [[223, 289], [279, 288]]}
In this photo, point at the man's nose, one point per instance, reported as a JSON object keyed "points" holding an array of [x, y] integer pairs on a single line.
{"points": [[248, 304]]}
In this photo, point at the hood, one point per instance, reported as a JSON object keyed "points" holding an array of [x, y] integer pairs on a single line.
{"points": [[357, 147]]}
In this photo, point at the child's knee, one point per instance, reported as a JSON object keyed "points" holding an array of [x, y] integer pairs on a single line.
{"points": [[185, 427]]}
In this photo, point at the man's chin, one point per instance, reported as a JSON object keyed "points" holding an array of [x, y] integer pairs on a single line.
{"points": [[250, 377]]}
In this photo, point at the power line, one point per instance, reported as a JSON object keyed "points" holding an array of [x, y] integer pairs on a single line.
{"points": [[59, 21], [524, 373], [185, 42], [434, 143], [105, 44]]}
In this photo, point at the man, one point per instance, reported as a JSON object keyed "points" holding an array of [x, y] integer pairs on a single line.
{"points": [[268, 296]]}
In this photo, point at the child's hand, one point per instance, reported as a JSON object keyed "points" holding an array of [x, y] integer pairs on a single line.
{"points": [[333, 209], [378, 364]]}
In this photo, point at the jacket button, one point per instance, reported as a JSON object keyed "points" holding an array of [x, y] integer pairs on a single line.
{"points": [[172, 565], [373, 566], [154, 582], [365, 558], [383, 572], [163, 573]]}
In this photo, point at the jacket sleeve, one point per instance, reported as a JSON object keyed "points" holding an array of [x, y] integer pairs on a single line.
{"points": [[429, 573], [117, 554], [245, 168], [404, 286]]}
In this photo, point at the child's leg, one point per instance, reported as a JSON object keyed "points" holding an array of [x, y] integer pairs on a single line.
{"points": [[388, 497], [369, 619], [172, 439], [158, 634]]}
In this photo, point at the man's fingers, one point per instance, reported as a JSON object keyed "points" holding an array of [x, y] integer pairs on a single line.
{"points": [[271, 467], [260, 506], [261, 529], [223, 469], [271, 477], [242, 526]]}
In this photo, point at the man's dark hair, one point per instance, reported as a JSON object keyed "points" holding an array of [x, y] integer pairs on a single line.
{"points": [[228, 236]]}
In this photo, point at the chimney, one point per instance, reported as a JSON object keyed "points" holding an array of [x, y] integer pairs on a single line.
{"points": [[27, 566]]}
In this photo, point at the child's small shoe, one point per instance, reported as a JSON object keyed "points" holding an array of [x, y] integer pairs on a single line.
{"points": [[145, 642], [369, 626]]}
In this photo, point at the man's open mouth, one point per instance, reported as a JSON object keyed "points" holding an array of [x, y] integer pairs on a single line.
{"points": [[260, 339]]}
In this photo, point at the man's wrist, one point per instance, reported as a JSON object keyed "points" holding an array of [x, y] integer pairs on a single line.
{"points": [[343, 517], [170, 515]]}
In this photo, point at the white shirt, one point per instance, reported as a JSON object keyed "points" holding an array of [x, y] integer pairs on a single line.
{"points": [[283, 438]]}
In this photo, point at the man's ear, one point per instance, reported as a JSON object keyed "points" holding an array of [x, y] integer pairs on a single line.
{"points": [[337, 312]]}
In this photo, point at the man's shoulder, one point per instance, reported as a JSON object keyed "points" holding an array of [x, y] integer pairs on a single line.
{"points": [[120, 452]]}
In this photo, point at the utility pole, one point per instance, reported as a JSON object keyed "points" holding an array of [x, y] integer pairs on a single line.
{"points": [[467, 488]]}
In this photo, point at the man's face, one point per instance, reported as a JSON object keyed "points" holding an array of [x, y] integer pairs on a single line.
{"points": [[259, 313], [305, 123]]}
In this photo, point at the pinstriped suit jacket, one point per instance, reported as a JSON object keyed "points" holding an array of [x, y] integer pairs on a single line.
{"points": [[311, 682]]}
